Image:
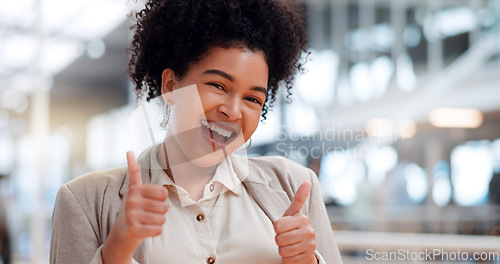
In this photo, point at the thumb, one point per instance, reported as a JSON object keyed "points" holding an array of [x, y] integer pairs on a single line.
{"points": [[134, 171], [299, 199]]}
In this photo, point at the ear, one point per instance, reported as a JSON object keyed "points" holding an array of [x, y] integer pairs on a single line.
{"points": [[168, 82]]}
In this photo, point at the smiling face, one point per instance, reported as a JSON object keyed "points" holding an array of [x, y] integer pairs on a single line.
{"points": [[217, 105]]}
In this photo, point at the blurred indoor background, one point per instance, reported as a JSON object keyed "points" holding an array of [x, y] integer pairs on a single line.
{"points": [[399, 115]]}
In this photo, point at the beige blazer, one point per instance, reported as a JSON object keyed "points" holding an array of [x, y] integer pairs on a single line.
{"points": [[86, 207]]}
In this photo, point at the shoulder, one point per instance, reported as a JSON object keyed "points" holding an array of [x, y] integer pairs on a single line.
{"points": [[279, 164], [97, 182], [283, 170]]}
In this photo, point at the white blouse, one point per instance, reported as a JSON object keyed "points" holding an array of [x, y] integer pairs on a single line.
{"points": [[225, 226]]}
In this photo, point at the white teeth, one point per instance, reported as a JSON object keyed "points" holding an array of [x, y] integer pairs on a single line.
{"points": [[219, 130]]}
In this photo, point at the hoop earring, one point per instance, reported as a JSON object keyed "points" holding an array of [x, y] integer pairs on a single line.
{"points": [[248, 146], [166, 115]]}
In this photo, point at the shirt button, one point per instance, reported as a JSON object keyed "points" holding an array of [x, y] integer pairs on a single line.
{"points": [[200, 218], [210, 260], [212, 187]]}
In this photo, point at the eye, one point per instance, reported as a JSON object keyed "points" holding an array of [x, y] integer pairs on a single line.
{"points": [[254, 100], [217, 86]]}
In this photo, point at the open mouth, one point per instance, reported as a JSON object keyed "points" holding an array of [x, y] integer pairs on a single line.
{"points": [[220, 134]]}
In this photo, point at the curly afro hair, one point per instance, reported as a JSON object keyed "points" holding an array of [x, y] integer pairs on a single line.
{"points": [[175, 33]]}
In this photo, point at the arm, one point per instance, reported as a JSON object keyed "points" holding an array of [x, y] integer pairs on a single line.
{"points": [[73, 238], [71, 227]]}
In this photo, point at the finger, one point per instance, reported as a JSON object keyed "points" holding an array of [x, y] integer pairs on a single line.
{"points": [[288, 238], [143, 231], [153, 206], [289, 223], [134, 171], [147, 218], [299, 199], [137, 218], [153, 191], [292, 250]]}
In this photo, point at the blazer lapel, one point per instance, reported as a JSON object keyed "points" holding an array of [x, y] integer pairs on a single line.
{"points": [[273, 201]]}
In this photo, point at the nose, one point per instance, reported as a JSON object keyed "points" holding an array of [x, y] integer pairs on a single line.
{"points": [[231, 108]]}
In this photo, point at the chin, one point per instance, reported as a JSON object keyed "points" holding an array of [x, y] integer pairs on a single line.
{"points": [[200, 152], [210, 160]]}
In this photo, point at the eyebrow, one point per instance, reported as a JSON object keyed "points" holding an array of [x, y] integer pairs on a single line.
{"points": [[230, 78], [221, 73]]}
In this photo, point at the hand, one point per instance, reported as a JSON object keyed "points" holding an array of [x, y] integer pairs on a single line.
{"points": [[142, 215], [295, 236]]}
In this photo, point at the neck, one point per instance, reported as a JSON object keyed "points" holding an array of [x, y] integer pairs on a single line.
{"points": [[183, 172]]}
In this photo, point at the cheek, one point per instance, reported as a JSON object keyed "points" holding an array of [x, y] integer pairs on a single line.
{"points": [[251, 124], [209, 100]]}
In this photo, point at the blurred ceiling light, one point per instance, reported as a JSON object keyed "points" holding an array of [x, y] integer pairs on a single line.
{"points": [[471, 172], [12, 12], [266, 132], [96, 49], [59, 14], [441, 189], [96, 20], [20, 51], [420, 14], [381, 70], [379, 37], [316, 86], [416, 182], [58, 54], [450, 22], [382, 37], [405, 75], [456, 117], [357, 39], [302, 119], [407, 129], [87, 20], [46, 36], [370, 80], [495, 154], [29, 82], [382, 159], [455, 21], [379, 161], [361, 82], [344, 92], [14, 100], [344, 191], [412, 36], [487, 17], [335, 163], [380, 127]]}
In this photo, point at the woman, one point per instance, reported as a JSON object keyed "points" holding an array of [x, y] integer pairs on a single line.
{"points": [[217, 65]]}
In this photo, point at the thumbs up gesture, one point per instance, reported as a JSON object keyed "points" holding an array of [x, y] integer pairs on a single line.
{"points": [[295, 236], [142, 215], [145, 206]]}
